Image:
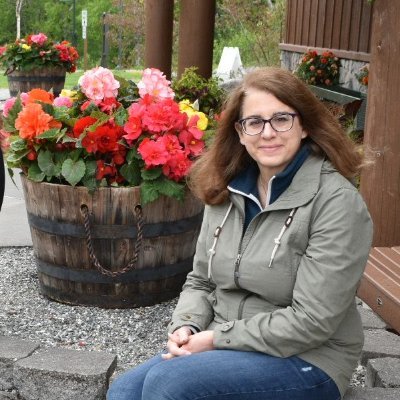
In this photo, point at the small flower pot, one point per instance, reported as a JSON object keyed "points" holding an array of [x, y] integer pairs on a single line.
{"points": [[44, 78]]}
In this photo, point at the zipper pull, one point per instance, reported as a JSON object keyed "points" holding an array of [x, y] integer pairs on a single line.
{"points": [[238, 258]]}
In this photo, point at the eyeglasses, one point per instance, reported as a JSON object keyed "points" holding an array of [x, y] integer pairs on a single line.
{"points": [[279, 123]]}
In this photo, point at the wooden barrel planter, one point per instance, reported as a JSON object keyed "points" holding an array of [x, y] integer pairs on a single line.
{"points": [[43, 78], [65, 269]]}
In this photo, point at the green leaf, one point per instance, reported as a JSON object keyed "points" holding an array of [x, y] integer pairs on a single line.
{"points": [[73, 171], [35, 173], [16, 157], [148, 192], [151, 174], [121, 116], [131, 173], [18, 145], [50, 134], [132, 154], [46, 163], [171, 188]]}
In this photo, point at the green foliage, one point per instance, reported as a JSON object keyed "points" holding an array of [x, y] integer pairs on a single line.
{"points": [[194, 87], [256, 30]]}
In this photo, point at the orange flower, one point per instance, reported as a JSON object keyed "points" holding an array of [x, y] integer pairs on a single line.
{"points": [[41, 95], [33, 121]]}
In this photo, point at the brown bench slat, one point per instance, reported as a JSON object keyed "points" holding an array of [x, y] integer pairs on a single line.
{"points": [[386, 263], [380, 284]]}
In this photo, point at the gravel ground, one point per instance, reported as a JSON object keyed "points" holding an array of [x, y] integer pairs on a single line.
{"points": [[133, 334]]}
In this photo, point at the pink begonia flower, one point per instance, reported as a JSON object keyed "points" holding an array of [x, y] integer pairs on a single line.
{"points": [[62, 102], [39, 39], [154, 83], [8, 105], [99, 83], [2, 50]]}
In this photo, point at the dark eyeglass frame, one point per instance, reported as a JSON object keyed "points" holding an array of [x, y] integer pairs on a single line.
{"points": [[243, 120]]}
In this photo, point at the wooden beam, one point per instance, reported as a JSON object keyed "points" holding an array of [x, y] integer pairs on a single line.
{"points": [[196, 35], [158, 34], [380, 184], [351, 55]]}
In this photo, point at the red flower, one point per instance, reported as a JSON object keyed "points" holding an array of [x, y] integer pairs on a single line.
{"points": [[177, 167], [109, 104], [162, 116], [171, 144], [107, 137], [89, 142], [104, 170], [82, 124], [153, 152]]}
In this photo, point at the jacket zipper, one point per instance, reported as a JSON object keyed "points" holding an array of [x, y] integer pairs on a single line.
{"points": [[236, 274]]}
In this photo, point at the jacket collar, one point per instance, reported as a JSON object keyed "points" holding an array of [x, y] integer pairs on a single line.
{"points": [[246, 182], [303, 187]]}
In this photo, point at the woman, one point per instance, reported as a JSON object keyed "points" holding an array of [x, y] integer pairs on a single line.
{"points": [[268, 311]]}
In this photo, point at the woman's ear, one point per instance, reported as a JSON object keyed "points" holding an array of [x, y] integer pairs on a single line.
{"points": [[239, 130], [304, 134]]}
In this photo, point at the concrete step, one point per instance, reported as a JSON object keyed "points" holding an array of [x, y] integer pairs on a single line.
{"points": [[372, 394], [383, 372], [28, 372]]}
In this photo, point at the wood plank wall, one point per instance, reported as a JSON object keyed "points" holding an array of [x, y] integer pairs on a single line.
{"points": [[341, 25]]}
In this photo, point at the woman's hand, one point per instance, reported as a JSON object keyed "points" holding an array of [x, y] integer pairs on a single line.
{"points": [[183, 342], [202, 341], [176, 340]]}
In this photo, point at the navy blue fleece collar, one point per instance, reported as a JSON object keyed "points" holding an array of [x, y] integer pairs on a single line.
{"points": [[246, 183]]}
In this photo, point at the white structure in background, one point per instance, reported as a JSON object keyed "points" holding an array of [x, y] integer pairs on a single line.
{"points": [[230, 65]]}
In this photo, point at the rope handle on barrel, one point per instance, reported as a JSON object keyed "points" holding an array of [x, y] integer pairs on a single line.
{"points": [[89, 243]]}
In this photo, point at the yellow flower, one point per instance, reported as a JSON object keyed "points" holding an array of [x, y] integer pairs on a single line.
{"points": [[191, 109], [72, 94], [185, 106], [26, 47], [203, 121]]}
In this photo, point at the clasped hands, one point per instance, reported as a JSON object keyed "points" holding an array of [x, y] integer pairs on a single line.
{"points": [[184, 342]]}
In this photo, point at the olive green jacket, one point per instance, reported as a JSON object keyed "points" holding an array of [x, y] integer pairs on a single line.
{"points": [[287, 296]]}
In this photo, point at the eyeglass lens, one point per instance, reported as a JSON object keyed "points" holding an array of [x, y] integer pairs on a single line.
{"points": [[279, 123]]}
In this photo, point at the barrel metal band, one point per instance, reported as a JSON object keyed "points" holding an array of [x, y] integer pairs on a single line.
{"points": [[114, 231], [135, 275]]}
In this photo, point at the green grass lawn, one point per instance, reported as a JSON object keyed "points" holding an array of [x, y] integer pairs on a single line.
{"points": [[72, 79]]}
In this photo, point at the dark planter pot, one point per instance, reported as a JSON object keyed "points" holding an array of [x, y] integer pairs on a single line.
{"points": [[43, 78], [65, 267]]}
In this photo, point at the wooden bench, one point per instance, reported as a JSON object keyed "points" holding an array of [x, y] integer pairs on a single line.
{"points": [[380, 284]]}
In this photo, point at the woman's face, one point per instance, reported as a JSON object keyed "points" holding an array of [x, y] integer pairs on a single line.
{"points": [[272, 150]]}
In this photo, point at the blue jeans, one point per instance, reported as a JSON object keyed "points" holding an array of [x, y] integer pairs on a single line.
{"points": [[224, 375]]}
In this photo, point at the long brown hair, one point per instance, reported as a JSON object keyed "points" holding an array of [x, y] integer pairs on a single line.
{"points": [[226, 157]]}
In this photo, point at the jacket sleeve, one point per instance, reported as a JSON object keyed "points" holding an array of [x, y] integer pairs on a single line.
{"points": [[326, 283], [194, 308]]}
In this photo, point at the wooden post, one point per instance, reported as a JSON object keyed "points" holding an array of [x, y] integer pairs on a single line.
{"points": [[196, 35], [380, 184], [158, 33]]}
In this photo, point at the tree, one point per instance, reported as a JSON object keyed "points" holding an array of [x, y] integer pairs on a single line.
{"points": [[18, 6]]}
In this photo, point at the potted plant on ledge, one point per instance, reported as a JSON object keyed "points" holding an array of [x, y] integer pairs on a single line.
{"points": [[35, 61], [112, 221]]}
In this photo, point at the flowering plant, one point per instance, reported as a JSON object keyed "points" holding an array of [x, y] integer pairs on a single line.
{"points": [[35, 51], [362, 76], [319, 69], [109, 132]]}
